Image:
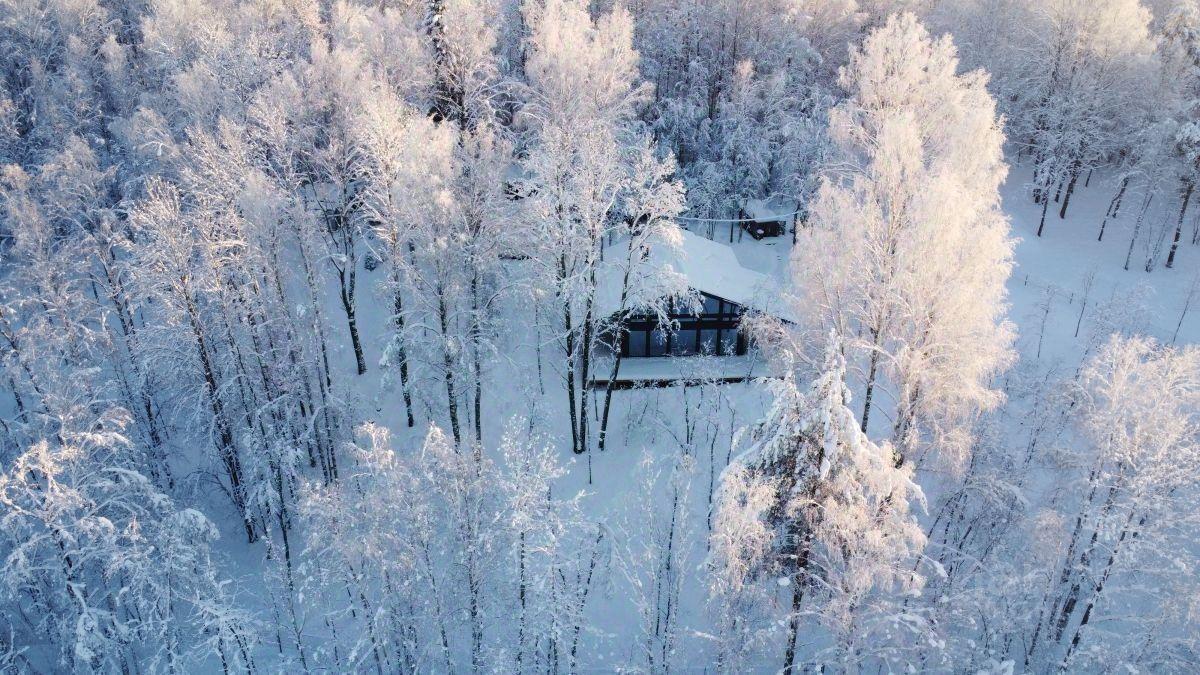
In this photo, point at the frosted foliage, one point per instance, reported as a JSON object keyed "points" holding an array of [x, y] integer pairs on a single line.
{"points": [[840, 514], [907, 247], [739, 553], [1134, 518], [357, 336], [107, 568], [570, 54]]}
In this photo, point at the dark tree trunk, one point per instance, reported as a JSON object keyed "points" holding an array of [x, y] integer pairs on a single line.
{"points": [[608, 391], [476, 359], [448, 371], [225, 447], [585, 366], [347, 296], [1189, 187], [398, 322], [1137, 228], [1098, 590], [573, 413], [1113, 207], [1042, 223], [870, 392], [1062, 213], [789, 656], [449, 98], [569, 338]]}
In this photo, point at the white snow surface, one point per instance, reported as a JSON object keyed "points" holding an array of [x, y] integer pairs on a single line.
{"points": [[709, 267], [691, 368], [648, 430], [769, 210]]}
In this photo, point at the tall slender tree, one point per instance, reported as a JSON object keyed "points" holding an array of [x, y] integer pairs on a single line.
{"points": [[908, 250]]}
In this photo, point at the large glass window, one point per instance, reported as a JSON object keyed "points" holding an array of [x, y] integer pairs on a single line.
{"points": [[658, 343], [637, 343], [729, 342], [713, 332], [684, 342]]}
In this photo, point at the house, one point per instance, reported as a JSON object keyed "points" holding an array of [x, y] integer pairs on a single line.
{"points": [[727, 292], [762, 218]]}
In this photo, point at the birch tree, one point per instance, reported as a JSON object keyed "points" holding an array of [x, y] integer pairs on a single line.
{"points": [[740, 547], [907, 251], [585, 155], [1138, 439], [109, 573]]}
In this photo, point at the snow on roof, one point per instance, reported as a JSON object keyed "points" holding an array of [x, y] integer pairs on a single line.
{"points": [[515, 173], [708, 267], [770, 210]]}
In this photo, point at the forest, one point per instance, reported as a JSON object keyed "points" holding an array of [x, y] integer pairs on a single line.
{"points": [[599, 336]]}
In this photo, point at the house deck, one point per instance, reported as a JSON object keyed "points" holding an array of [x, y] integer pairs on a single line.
{"points": [[672, 371]]}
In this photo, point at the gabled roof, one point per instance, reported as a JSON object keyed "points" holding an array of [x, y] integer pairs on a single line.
{"points": [[708, 267], [776, 209]]}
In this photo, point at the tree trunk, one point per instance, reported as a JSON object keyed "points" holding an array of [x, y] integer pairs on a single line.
{"points": [[449, 98], [572, 413], [476, 360], [1042, 223], [870, 392], [521, 601], [608, 391], [347, 294], [402, 353], [1097, 591], [569, 346], [1187, 303], [1187, 197], [448, 371], [1062, 213], [585, 366], [1137, 227], [581, 596], [905, 418], [225, 447], [789, 656], [1113, 207]]}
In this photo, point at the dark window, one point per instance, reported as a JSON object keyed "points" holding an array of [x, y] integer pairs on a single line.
{"points": [[729, 342], [637, 343], [658, 343], [713, 331], [683, 343]]}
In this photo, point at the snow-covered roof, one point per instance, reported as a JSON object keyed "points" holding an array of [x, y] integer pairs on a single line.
{"points": [[770, 210], [515, 173], [708, 267]]}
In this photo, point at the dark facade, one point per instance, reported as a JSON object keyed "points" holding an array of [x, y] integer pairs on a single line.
{"points": [[714, 331], [760, 229]]}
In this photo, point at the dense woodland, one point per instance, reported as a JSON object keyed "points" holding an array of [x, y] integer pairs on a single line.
{"points": [[299, 322]]}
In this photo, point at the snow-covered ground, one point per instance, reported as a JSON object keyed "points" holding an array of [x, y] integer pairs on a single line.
{"points": [[626, 487], [1056, 265]]}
